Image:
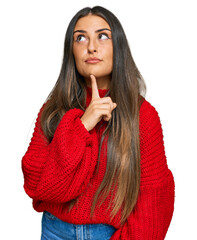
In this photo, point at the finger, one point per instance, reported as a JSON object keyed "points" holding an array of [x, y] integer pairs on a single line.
{"points": [[104, 112], [107, 100], [107, 117], [104, 106], [95, 92], [114, 105]]}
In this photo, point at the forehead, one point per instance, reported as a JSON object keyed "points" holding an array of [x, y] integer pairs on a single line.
{"points": [[91, 22]]}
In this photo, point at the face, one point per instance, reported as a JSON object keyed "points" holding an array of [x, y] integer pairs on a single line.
{"points": [[92, 47]]}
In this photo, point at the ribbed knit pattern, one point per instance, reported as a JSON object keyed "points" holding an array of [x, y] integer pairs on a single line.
{"points": [[57, 172]]}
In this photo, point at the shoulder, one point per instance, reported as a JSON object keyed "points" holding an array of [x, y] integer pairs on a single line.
{"points": [[149, 120], [147, 109], [148, 112]]}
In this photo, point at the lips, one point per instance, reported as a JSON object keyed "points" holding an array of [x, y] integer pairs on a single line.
{"points": [[93, 60]]}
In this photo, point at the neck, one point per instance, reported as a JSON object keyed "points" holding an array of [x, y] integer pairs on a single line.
{"points": [[102, 93]]}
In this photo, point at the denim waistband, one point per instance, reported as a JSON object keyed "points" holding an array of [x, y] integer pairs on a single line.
{"points": [[54, 228]]}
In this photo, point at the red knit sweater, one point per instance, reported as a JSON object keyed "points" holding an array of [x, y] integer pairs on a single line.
{"points": [[64, 169]]}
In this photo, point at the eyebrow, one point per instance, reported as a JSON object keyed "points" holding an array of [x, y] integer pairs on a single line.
{"points": [[99, 30]]}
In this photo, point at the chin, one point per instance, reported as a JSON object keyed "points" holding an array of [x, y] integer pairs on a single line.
{"points": [[97, 74]]}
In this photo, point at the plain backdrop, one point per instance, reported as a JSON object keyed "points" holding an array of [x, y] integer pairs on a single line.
{"points": [[162, 38]]}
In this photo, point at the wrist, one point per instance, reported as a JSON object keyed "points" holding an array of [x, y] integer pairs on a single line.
{"points": [[84, 124]]}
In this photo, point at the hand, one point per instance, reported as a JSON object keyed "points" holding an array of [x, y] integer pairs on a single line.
{"points": [[98, 108]]}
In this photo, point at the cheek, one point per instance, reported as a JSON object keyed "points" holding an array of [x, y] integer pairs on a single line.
{"points": [[108, 52], [78, 53], [77, 58], [109, 57]]}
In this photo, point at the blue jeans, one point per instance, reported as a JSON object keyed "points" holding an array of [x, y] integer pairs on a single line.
{"points": [[55, 229]]}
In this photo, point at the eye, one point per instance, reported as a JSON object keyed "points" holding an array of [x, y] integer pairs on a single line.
{"points": [[103, 36], [80, 38]]}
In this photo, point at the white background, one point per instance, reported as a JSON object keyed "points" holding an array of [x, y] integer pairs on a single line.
{"points": [[162, 37]]}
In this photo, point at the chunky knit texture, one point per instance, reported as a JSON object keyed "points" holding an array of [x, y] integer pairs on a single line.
{"points": [[57, 172]]}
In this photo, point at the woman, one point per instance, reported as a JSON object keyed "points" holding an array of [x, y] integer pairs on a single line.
{"points": [[96, 165]]}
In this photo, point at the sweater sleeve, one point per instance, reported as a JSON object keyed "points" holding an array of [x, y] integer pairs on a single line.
{"points": [[60, 170], [153, 212]]}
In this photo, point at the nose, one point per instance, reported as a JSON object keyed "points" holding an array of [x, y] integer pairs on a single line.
{"points": [[92, 46]]}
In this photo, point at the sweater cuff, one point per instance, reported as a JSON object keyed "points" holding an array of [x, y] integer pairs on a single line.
{"points": [[80, 129], [83, 132]]}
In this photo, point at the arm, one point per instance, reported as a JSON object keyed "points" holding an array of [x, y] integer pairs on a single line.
{"points": [[153, 212], [60, 171]]}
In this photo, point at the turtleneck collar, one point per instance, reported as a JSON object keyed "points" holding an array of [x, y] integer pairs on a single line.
{"points": [[102, 93]]}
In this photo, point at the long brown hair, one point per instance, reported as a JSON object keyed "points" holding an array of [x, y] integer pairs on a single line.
{"points": [[127, 85]]}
